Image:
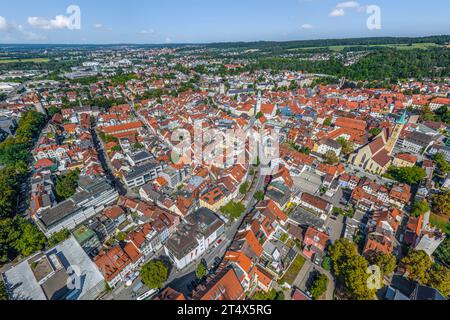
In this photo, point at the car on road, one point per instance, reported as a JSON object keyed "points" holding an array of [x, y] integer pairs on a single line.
{"points": [[317, 261]]}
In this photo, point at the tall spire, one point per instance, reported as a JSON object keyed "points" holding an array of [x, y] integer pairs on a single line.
{"points": [[402, 120]]}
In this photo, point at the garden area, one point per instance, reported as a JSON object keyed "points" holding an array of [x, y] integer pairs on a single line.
{"points": [[293, 271], [349, 213], [233, 210]]}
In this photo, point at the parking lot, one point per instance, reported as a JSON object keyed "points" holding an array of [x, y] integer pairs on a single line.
{"points": [[335, 227]]}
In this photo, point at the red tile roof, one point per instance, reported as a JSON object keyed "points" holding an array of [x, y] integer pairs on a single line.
{"points": [[111, 263], [223, 286]]}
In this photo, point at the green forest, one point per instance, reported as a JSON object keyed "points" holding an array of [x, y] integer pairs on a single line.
{"points": [[17, 235], [383, 64]]}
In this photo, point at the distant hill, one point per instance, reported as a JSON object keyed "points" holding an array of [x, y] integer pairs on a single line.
{"points": [[440, 40]]}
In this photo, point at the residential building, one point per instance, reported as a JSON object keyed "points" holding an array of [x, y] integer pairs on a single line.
{"points": [[93, 195], [47, 275], [195, 235], [315, 203], [143, 173]]}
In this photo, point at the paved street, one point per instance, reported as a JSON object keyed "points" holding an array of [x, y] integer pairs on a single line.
{"points": [[106, 164]]}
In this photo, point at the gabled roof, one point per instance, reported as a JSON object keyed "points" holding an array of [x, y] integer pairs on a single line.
{"points": [[240, 259], [317, 237], [224, 285]]}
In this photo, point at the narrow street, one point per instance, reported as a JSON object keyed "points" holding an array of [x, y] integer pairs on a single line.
{"points": [[107, 167]]}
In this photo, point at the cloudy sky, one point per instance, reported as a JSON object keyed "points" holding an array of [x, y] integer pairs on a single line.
{"points": [[199, 21]]}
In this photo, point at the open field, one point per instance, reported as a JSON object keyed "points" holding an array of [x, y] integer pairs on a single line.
{"points": [[396, 46], [34, 60]]}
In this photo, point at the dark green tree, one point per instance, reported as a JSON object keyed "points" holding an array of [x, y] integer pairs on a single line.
{"points": [[31, 240], [154, 274], [386, 262], [419, 208], [3, 292], [331, 158], [243, 189], [418, 264], [319, 286], [201, 271], [67, 185], [259, 195], [440, 279], [351, 270], [408, 175], [58, 237]]}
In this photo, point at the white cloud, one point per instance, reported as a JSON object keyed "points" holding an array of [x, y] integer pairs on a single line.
{"points": [[34, 36], [306, 26], [4, 25], [340, 9], [168, 40], [348, 5], [337, 13], [28, 35], [59, 22], [150, 31], [98, 26]]}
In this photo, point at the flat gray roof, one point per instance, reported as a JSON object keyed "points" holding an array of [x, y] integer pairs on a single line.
{"points": [[202, 222], [22, 284]]}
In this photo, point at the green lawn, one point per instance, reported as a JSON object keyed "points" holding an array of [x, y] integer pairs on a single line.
{"points": [[233, 209], [34, 60], [440, 222], [294, 270]]}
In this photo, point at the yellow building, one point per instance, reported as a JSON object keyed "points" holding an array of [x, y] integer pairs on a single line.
{"points": [[213, 200], [404, 160], [373, 157]]}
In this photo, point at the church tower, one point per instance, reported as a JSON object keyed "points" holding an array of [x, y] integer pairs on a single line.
{"points": [[399, 125]]}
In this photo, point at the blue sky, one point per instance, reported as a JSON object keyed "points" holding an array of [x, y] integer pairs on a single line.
{"points": [[199, 21]]}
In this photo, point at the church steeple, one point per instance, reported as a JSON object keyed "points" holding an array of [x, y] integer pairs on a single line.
{"points": [[402, 120], [399, 125]]}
